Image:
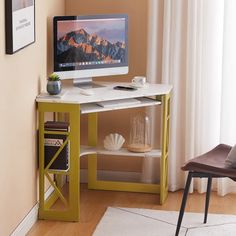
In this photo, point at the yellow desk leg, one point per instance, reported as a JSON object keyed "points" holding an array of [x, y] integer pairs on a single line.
{"points": [[92, 159], [74, 176], [165, 99], [71, 212]]}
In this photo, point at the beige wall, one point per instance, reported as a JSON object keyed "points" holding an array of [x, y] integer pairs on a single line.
{"points": [[22, 76], [137, 12]]}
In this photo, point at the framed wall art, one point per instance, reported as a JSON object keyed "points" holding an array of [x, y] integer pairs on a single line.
{"points": [[20, 24]]}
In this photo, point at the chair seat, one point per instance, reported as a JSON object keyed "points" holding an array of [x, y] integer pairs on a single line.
{"points": [[212, 162]]}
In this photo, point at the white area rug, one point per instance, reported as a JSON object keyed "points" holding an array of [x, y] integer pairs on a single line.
{"points": [[144, 222]]}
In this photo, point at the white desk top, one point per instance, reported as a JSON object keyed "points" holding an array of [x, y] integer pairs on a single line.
{"points": [[72, 95]]}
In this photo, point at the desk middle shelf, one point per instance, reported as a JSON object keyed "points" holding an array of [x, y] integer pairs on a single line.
{"points": [[94, 107]]}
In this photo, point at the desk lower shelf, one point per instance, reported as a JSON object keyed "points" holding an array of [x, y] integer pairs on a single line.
{"points": [[86, 150]]}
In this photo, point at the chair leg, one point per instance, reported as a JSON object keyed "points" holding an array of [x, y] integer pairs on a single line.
{"points": [[208, 193], [183, 204]]}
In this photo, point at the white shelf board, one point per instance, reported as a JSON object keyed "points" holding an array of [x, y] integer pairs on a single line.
{"points": [[86, 150], [72, 95], [93, 107]]}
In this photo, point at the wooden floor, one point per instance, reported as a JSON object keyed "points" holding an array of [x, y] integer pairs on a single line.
{"points": [[94, 204]]}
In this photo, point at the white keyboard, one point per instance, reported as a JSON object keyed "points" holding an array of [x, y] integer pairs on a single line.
{"points": [[119, 102]]}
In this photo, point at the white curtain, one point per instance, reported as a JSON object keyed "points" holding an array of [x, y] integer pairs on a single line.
{"points": [[191, 45]]}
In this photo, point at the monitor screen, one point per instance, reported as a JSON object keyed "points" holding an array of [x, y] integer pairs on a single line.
{"points": [[90, 46]]}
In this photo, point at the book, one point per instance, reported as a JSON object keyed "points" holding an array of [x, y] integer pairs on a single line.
{"points": [[56, 126]]}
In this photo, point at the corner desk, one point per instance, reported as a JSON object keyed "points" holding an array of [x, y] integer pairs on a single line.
{"points": [[76, 104]]}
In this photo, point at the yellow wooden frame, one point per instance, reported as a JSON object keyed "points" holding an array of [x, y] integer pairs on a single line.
{"points": [[71, 208], [165, 100], [71, 211]]}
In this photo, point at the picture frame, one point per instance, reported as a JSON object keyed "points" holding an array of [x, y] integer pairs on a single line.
{"points": [[19, 24]]}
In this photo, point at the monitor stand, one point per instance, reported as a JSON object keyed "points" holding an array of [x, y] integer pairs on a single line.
{"points": [[85, 83]]}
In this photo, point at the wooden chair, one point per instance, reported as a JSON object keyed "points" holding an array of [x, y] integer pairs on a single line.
{"points": [[209, 165]]}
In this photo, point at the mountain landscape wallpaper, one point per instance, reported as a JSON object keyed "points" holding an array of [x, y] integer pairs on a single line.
{"points": [[91, 42]]}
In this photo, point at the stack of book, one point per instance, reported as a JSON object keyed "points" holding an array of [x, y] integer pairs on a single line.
{"points": [[52, 142]]}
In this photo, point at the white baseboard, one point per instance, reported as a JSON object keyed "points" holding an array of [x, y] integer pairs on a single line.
{"points": [[26, 224], [31, 218]]}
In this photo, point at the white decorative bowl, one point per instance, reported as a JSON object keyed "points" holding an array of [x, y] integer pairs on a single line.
{"points": [[113, 142]]}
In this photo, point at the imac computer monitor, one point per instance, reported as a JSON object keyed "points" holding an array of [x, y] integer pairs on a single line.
{"points": [[90, 46]]}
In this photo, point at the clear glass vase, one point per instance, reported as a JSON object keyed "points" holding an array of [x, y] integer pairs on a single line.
{"points": [[140, 133]]}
